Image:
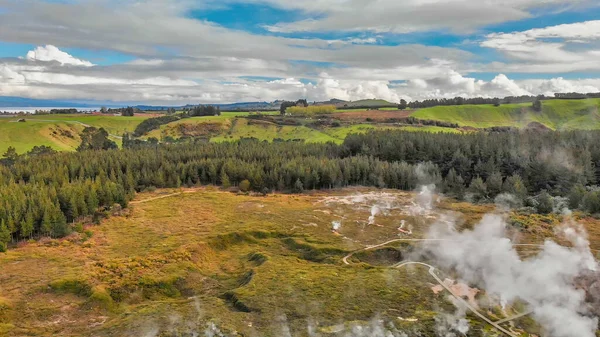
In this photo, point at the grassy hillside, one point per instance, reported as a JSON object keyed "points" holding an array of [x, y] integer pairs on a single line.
{"points": [[556, 114], [24, 136], [61, 131]]}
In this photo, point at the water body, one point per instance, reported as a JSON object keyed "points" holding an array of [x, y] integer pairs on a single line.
{"points": [[15, 110]]}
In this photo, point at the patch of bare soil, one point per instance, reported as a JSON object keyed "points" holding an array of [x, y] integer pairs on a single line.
{"points": [[375, 115], [536, 126], [199, 130]]}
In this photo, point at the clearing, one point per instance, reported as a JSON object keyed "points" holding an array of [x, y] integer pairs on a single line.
{"points": [[180, 261]]}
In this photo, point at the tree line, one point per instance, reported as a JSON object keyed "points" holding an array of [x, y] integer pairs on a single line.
{"points": [[44, 193]]}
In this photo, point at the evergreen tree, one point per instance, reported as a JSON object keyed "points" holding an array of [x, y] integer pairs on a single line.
{"points": [[545, 203], [478, 190], [494, 184]]}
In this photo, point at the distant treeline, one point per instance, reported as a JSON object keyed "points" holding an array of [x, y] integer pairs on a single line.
{"points": [[496, 101], [203, 110], [575, 95]]}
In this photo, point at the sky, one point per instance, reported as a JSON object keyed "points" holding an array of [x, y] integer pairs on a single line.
{"points": [[174, 52]]}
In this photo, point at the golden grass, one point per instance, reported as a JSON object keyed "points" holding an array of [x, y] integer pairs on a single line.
{"points": [[242, 262]]}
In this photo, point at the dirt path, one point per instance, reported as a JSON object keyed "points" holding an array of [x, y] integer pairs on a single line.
{"points": [[160, 197], [496, 325], [345, 259]]}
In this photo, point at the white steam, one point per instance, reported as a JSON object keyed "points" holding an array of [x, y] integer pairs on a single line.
{"points": [[485, 257], [453, 325], [424, 202], [336, 225], [375, 210]]}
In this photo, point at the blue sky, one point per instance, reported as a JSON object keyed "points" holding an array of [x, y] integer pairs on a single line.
{"points": [[178, 51]]}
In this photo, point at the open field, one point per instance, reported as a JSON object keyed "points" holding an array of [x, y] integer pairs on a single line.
{"points": [[176, 263]]}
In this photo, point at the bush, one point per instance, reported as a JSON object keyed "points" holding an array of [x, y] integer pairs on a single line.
{"points": [[72, 286], [545, 205], [245, 185]]}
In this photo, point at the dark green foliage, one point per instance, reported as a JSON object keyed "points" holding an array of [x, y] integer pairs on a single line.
{"points": [[591, 202], [285, 105], [10, 156], [150, 124], [454, 185], [95, 139], [129, 111], [246, 278], [258, 258], [476, 100], [204, 110], [478, 190], [576, 196], [41, 151], [72, 286], [537, 105], [233, 299], [494, 184], [45, 194], [302, 102], [545, 205], [403, 105]]}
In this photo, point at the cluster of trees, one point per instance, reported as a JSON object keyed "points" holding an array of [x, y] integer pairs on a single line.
{"points": [[483, 165], [288, 104], [203, 110], [576, 95], [477, 100], [43, 193], [150, 124], [63, 111], [95, 139], [128, 111]]}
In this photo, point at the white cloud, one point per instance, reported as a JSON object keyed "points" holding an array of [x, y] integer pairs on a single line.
{"points": [[411, 15], [164, 82], [51, 53], [550, 46], [211, 59]]}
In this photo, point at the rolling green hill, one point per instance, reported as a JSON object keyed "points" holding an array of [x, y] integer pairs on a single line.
{"points": [[555, 114], [61, 132]]}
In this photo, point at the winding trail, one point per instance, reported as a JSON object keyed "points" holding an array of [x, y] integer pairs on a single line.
{"points": [[496, 325], [526, 313], [160, 197]]}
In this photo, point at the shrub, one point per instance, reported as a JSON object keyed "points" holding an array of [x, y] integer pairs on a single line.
{"points": [[245, 185], [72, 286]]}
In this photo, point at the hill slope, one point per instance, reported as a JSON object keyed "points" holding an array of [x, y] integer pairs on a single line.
{"points": [[555, 114]]}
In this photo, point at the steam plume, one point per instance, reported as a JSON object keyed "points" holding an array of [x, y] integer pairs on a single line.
{"points": [[484, 256]]}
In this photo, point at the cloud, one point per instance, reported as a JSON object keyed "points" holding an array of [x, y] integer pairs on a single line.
{"points": [[412, 15], [551, 48], [51, 53], [179, 59], [171, 82]]}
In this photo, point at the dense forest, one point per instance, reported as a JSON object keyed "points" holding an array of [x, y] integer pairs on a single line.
{"points": [[44, 193]]}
